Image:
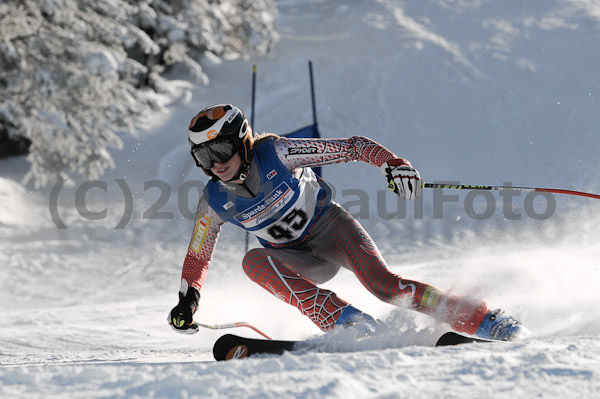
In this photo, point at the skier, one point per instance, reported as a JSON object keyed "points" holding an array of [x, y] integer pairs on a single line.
{"points": [[265, 185]]}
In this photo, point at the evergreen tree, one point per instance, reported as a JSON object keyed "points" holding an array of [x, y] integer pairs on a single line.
{"points": [[75, 73]]}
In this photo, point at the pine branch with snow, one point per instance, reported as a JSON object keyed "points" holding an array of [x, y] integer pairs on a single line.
{"points": [[75, 74]]}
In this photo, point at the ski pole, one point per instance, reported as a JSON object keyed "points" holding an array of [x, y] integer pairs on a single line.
{"points": [[510, 188], [232, 325]]}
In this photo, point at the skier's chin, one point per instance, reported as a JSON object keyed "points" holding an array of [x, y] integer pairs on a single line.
{"points": [[224, 175]]}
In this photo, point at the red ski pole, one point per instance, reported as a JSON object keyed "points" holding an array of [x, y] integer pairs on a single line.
{"points": [[232, 325], [510, 188]]}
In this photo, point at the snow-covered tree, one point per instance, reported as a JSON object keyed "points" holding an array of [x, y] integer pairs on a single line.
{"points": [[76, 73]]}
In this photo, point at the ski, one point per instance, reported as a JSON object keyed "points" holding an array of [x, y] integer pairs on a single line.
{"points": [[452, 338], [231, 346]]}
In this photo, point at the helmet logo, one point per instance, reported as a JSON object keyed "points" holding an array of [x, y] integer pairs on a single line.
{"points": [[244, 129], [212, 134]]}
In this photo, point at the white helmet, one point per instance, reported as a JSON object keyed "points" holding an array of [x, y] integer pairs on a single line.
{"points": [[216, 133]]}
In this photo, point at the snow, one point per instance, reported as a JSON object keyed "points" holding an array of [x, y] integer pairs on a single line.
{"points": [[101, 62], [15, 201], [480, 92]]}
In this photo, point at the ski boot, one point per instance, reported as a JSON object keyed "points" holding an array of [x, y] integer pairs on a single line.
{"points": [[498, 326], [363, 323]]}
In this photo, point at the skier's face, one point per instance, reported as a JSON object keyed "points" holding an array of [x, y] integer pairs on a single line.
{"points": [[227, 170]]}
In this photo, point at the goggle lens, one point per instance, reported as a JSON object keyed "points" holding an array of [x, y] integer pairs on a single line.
{"points": [[219, 151]]}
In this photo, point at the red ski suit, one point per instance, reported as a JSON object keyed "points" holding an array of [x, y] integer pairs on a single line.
{"points": [[336, 240]]}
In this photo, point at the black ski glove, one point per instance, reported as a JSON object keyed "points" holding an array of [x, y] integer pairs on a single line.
{"points": [[181, 317]]}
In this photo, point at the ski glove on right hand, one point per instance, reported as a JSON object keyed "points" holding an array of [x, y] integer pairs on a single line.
{"points": [[402, 178], [181, 317]]}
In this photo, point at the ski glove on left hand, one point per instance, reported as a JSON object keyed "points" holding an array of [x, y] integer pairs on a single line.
{"points": [[402, 178], [181, 317]]}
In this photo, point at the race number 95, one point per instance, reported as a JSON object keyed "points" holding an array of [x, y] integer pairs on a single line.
{"points": [[289, 226]]}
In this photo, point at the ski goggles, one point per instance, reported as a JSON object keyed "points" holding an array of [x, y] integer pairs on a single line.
{"points": [[206, 154]]}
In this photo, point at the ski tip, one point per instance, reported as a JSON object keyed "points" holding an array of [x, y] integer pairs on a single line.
{"points": [[231, 346], [223, 350], [452, 338]]}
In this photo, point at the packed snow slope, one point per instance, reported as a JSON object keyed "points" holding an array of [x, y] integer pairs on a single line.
{"points": [[476, 91]]}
